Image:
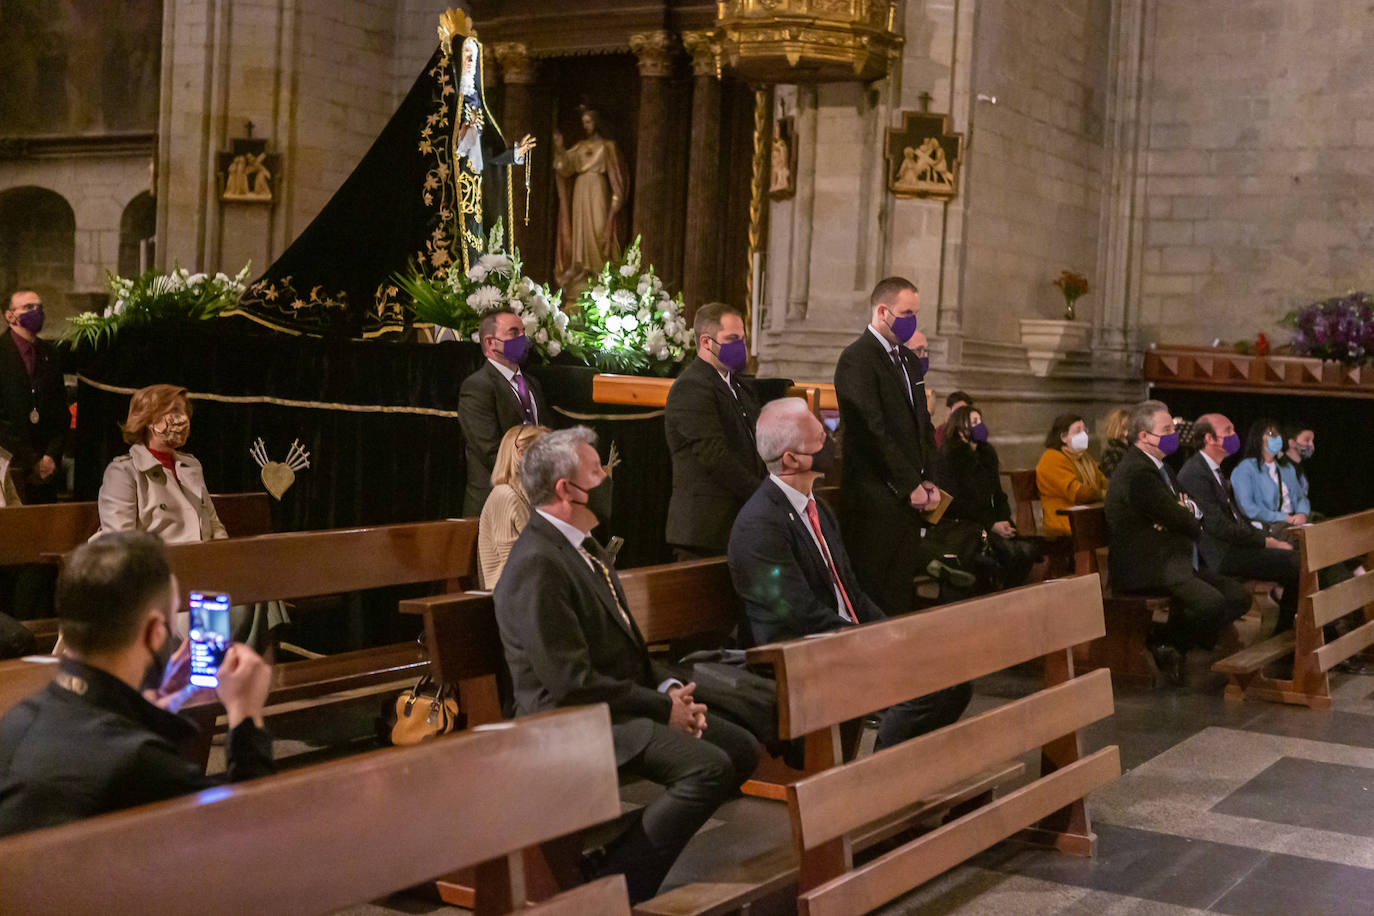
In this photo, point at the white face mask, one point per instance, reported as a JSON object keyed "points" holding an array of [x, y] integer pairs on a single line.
{"points": [[1079, 441]]}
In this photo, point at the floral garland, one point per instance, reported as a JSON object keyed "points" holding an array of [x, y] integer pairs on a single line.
{"points": [[458, 299], [1340, 329], [157, 297], [626, 321]]}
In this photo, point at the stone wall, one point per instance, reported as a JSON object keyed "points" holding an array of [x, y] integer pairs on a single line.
{"points": [[1034, 160], [1259, 163]]}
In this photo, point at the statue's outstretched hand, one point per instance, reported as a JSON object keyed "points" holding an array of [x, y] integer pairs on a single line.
{"points": [[524, 145]]}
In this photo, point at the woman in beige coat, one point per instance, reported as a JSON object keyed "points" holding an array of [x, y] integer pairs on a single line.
{"points": [[156, 488], [160, 489], [507, 509]]}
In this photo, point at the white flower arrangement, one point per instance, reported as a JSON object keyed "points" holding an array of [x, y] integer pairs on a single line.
{"points": [[458, 299], [627, 322], [179, 295]]}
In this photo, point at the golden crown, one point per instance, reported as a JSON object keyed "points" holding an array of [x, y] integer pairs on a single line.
{"points": [[455, 22]]}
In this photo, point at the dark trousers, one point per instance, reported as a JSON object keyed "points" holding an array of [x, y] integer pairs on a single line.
{"points": [[698, 775], [1200, 606], [923, 714], [1269, 564]]}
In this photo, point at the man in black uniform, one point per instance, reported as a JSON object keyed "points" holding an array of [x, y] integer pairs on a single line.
{"points": [[90, 742], [709, 422], [33, 403]]}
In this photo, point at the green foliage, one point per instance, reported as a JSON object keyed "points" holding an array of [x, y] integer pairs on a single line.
{"points": [[153, 297]]}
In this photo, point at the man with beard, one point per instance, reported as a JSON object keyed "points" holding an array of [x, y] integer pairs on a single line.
{"points": [[91, 742]]}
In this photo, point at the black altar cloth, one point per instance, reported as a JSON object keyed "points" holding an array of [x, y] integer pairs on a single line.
{"points": [[379, 419]]}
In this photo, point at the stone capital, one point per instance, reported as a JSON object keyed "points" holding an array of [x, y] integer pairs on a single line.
{"points": [[517, 67], [655, 52], [705, 51]]}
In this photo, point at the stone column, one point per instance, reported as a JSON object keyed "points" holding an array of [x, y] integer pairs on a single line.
{"points": [[1121, 226], [650, 190], [701, 257], [799, 282], [519, 73]]}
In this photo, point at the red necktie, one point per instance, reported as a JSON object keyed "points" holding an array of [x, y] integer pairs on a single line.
{"points": [[815, 518]]}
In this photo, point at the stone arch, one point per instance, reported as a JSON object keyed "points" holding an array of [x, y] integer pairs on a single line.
{"points": [[38, 245], [137, 228]]}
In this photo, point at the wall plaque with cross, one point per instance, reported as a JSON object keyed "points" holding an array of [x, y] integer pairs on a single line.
{"points": [[923, 157]]}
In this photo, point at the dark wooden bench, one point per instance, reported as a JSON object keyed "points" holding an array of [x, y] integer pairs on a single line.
{"points": [[1128, 617], [672, 603], [310, 564], [40, 534], [341, 834], [820, 686], [1324, 544]]}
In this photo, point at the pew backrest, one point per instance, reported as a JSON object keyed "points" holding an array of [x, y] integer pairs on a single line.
{"points": [[1025, 496], [1088, 532], [33, 534], [1325, 544], [309, 563], [334, 835], [918, 654]]}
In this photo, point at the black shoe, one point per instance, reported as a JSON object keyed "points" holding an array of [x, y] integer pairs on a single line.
{"points": [[1170, 663], [953, 575]]}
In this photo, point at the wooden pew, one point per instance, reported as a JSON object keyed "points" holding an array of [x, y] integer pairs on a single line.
{"points": [[1321, 545], [820, 687], [1128, 617], [293, 843], [671, 603], [37, 534], [313, 563]]}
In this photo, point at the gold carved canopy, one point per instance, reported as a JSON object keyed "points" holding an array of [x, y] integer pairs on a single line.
{"points": [[791, 41]]}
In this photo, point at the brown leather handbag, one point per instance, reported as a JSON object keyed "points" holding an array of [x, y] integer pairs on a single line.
{"points": [[425, 711]]}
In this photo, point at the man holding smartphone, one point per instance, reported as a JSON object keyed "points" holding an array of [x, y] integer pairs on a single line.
{"points": [[91, 742]]}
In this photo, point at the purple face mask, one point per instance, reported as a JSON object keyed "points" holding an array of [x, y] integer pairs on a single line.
{"points": [[1231, 444], [980, 432], [516, 349], [734, 355], [903, 326], [924, 363], [31, 321], [1168, 444]]}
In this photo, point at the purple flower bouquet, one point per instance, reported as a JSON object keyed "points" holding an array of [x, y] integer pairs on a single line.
{"points": [[1340, 329]]}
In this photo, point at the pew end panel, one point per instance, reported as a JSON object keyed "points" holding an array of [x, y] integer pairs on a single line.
{"points": [[1128, 618], [465, 650], [1325, 544], [246, 847]]}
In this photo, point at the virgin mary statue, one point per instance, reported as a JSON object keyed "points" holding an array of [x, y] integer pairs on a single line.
{"points": [[482, 162], [592, 188]]}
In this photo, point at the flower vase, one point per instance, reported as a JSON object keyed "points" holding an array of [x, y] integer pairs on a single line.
{"points": [[1068, 310]]}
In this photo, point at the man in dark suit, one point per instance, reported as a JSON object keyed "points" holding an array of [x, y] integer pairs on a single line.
{"points": [[1154, 526], [709, 424], [569, 640], [889, 453], [33, 402], [790, 568], [1230, 544], [90, 742], [495, 398]]}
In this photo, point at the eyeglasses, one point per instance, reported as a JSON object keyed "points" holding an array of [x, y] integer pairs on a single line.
{"points": [[27, 307], [921, 351]]}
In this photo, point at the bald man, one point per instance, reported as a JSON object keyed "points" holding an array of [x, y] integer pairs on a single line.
{"points": [[1232, 544], [791, 570]]}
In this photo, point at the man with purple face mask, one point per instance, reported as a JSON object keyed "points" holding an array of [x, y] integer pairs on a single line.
{"points": [[709, 424], [493, 399], [33, 402], [1154, 525], [1230, 544], [889, 452]]}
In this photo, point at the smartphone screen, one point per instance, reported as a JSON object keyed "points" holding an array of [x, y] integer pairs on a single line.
{"points": [[209, 636]]}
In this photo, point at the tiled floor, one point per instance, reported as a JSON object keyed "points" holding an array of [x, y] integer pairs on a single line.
{"points": [[1237, 808]]}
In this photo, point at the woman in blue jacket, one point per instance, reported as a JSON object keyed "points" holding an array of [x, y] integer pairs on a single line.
{"points": [[1266, 490]]}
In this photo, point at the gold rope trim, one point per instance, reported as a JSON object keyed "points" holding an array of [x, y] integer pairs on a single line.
{"points": [[609, 416], [262, 321], [284, 402]]}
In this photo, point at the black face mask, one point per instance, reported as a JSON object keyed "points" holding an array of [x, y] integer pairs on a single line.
{"points": [[823, 461], [157, 668], [598, 499]]}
